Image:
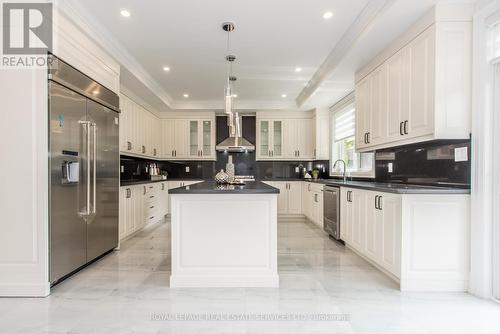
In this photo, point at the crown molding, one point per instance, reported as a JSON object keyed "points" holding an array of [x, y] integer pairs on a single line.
{"points": [[87, 23]]}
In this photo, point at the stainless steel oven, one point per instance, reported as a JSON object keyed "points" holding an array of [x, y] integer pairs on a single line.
{"points": [[331, 211]]}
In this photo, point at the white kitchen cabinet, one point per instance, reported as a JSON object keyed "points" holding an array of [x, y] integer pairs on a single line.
{"points": [[201, 139], [285, 139], [299, 142], [269, 139], [312, 202], [419, 240], [290, 196], [358, 223], [363, 112], [346, 214], [420, 92], [321, 134], [141, 205]]}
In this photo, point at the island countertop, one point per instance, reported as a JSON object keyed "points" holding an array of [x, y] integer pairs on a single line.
{"points": [[212, 187]]}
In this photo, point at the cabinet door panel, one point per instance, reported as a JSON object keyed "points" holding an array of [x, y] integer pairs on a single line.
{"points": [[363, 111], [181, 138], [207, 139], [263, 139], [378, 101], [295, 198], [373, 223], [397, 97], [345, 216], [420, 64], [358, 219], [194, 139], [390, 233], [168, 127], [305, 139]]}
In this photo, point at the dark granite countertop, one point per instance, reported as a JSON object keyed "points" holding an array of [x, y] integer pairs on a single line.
{"points": [[396, 188], [211, 187], [124, 183]]}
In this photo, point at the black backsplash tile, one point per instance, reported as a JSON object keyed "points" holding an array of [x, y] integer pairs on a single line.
{"points": [[424, 163]]}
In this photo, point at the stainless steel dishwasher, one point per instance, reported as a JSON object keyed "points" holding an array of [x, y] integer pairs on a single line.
{"points": [[331, 211]]}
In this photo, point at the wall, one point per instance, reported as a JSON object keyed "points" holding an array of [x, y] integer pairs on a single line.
{"points": [[424, 163]]}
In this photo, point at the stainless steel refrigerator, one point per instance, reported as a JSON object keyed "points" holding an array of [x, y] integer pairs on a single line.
{"points": [[84, 167]]}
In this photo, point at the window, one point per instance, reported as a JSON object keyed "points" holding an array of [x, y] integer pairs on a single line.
{"points": [[343, 125]]}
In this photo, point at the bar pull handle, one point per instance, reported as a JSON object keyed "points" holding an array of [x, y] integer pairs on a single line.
{"points": [[401, 128], [129, 146], [379, 203], [406, 127], [94, 181], [376, 202]]}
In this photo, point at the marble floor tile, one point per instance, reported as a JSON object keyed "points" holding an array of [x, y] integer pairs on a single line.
{"points": [[128, 291]]}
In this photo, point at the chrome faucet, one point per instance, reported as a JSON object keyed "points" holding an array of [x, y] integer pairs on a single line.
{"points": [[343, 173]]}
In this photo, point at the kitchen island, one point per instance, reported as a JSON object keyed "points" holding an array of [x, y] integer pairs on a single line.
{"points": [[224, 235]]}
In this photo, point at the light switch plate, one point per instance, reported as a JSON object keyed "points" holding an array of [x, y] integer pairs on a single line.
{"points": [[390, 167], [461, 154], [187, 169]]}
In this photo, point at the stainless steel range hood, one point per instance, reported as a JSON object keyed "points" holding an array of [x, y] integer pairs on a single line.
{"points": [[235, 144]]}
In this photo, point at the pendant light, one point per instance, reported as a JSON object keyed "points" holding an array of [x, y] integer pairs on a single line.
{"points": [[233, 117]]}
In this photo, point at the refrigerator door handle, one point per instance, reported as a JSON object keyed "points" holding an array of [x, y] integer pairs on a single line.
{"points": [[94, 157], [86, 125]]}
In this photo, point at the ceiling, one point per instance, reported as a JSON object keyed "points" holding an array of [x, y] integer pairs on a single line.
{"points": [[272, 38]]}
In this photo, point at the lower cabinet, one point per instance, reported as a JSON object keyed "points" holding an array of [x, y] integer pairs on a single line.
{"points": [[290, 196], [140, 205], [419, 240], [312, 202], [371, 224]]}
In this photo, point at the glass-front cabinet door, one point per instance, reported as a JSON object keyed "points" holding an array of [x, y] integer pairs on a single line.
{"points": [[277, 148], [194, 150], [264, 146], [207, 148]]}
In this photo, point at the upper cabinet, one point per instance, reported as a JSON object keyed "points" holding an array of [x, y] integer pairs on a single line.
{"points": [[144, 134], [419, 92], [285, 137]]}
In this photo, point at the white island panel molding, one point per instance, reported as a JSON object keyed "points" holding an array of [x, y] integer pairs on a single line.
{"points": [[224, 240]]}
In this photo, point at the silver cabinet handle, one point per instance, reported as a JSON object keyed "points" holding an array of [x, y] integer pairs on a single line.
{"points": [[129, 146], [144, 190], [401, 128], [154, 151], [128, 193], [406, 127]]}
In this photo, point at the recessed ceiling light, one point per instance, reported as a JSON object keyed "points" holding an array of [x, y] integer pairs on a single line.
{"points": [[235, 95], [328, 15], [298, 69], [186, 95], [166, 68], [125, 13], [283, 95]]}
